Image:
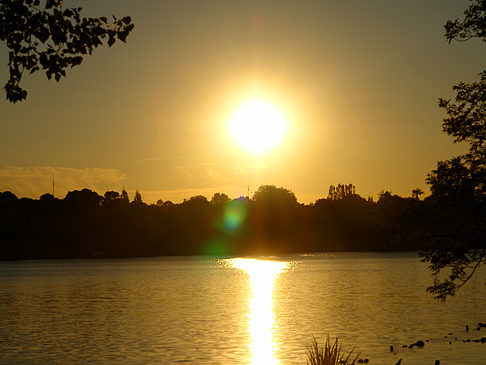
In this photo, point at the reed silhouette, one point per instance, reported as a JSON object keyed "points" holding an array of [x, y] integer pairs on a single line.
{"points": [[330, 353]]}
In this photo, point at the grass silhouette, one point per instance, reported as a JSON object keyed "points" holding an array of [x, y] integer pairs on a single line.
{"points": [[329, 354]]}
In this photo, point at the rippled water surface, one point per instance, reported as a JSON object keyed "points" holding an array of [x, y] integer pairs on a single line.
{"points": [[215, 311]]}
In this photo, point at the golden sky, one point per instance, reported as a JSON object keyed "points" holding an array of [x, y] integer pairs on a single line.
{"points": [[358, 83]]}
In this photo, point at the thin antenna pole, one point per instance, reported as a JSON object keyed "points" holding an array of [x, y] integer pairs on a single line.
{"points": [[53, 185]]}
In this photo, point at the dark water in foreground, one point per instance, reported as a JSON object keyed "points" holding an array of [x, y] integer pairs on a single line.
{"points": [[210, 311]]}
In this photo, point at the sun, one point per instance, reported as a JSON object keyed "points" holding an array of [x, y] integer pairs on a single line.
{"points": [[257, 126]]}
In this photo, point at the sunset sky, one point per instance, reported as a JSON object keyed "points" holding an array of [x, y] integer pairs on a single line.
{"points": [[357, 82]]}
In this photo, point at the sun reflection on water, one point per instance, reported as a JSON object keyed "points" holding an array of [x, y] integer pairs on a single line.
{"points": [[262, 275]]}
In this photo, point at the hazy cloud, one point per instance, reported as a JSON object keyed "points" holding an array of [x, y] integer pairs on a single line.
{"points": [[199, 179], [32, 182], [205, 174], [178, 195]]}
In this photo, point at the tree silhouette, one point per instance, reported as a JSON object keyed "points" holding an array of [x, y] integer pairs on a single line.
{"points": [[137, 199], [416, 193], [219, 198], [271, 195], [87, 225], [472, 26], [341, 191], [456, 228], [52, 38], [124, 198], [111, 195]]}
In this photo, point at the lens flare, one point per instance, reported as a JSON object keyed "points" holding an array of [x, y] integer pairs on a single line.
{"points": [[217, 247], [234, 215], [228, 226]]}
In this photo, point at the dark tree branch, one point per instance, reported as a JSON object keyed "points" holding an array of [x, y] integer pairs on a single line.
{"points": [[51, 38]]}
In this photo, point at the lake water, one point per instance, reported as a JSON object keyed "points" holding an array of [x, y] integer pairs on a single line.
{"points": [[214, 311]]}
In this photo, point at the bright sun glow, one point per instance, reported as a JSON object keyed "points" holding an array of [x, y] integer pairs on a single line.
{"points": [[257, 126], [262, 275]]}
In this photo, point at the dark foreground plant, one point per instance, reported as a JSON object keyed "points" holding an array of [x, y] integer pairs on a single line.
{"points": [[329, 354]]}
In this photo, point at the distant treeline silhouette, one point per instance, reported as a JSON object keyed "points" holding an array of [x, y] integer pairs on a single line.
{"points": [[87, 225]]}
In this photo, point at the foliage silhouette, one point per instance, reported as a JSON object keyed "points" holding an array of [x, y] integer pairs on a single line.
{"points": [[416, 193], [455, 228], [87, 225], [219, 198], [50, 37], [137, 199], [472, 26], [340, 192]]}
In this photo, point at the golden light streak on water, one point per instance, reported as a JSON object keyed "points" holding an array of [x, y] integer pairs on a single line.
{"points": [[262, 275]]}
